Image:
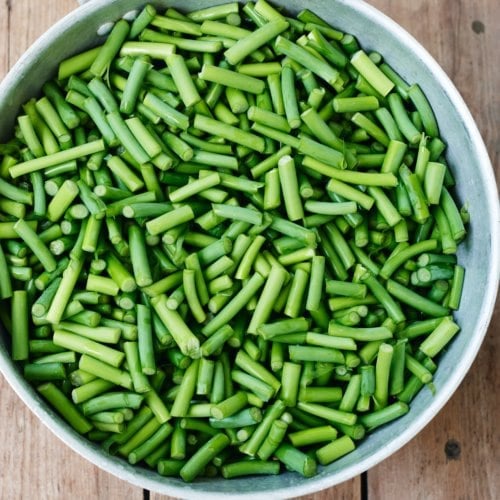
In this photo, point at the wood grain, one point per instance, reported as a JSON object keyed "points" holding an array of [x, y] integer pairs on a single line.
{"points": [[458, 454], [4, 37]]}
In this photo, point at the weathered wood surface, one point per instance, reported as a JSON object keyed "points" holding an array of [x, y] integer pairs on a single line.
{"points": [[455, 456]]}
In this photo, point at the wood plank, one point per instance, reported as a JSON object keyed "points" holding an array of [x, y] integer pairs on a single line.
{"points": [[4, 37], [457, 455], [34, 462]]}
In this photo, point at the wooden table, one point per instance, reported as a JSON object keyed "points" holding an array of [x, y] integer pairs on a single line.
{"points": [[458, 454]]}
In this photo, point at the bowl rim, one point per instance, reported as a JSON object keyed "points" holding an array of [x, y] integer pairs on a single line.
{"points": [[92, 454]]}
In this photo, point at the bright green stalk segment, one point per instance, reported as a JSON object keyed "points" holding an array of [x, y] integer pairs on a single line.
{"points": [[110, 49], [283, 327], [303, 57], [44, 372], [183, 81], [367, 334], [433, 181], [5, 278], [268, 118], [456, 287], [133, 86], [260, 389], [452, 215], [186, 390], [274, 412], [371, 73], [331, 341], [127, 138], [394, 157], [224, 76], [257, 370], [362, 121], [334, 450], [238, 213], [415, 300], [290, 379], [249, 257], [396, 260], [298, 288], [320, 152], [321, 130], [314, 353], [170, 24], [190, 289], [382, 373], [195, 187], [93, 388], [139, 256], [384, 415], [69, 279], [345, 288], [102, 93], [230, 406], [37, 246], [170, 220], [99, 333], [350, 193], [229, 132], [140, 434], [405, 125], [196, 464], [440, 336], [125, 174], [290, 188], [111, 401], [330, 208], [182, 334], [417, 369], [384, 205], [7, 229], [146, 139], [313, 435], [329, 414], [245, 46], [272, 191], [119, 273], [145, 340], [84, 345], [166, 112], [289, 97], [139, 380], [65, 407], [19, 328], [354, 104], [269, 162], [249, 468], [150, 444], [268, 297], [315, 291], [77, 63], [296, 460], [15, 193], [351, 177], [217, 340], [415, 193], [424, 110], [273, 440], [214, 12]]}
